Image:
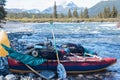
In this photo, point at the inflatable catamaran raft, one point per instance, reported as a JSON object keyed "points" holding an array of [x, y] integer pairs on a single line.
{"points": [[73, 63]]}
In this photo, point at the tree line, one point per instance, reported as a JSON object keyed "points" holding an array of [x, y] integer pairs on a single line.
{"points": [[108, 13]]}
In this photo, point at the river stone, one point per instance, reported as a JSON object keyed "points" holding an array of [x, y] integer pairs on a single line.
{"points": [[80, 75], [96, 75], [39, 78], [1, 77], [10, 77], [90, 77], [107, 74], [101, 77], [71, 78]]}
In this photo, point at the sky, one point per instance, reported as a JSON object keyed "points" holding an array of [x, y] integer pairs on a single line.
{"points": [[43, 4]]}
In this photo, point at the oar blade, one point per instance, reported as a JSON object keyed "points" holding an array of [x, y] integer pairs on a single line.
{"points": [[61, 71]]}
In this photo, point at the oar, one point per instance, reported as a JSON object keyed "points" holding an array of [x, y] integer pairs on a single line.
{"points": [[60, 68]]}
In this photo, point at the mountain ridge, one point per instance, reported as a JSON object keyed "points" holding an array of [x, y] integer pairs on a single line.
{"points": [[99, 7], [64, 8], [17, 10], [60, 9]]}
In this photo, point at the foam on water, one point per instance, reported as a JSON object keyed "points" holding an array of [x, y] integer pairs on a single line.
{"points": [[108, 24]]}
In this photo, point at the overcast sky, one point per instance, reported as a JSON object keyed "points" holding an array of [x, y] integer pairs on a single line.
{"points": [[43, 4]]}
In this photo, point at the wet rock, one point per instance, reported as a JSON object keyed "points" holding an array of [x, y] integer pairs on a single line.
{"points": [[39, 78], [107, 74], [3, 66], [90, 77], [10, 77], [80, 75], [1, 77], [22, 77], [96, 75], [101, 77], [71, 78], [31, 76]]}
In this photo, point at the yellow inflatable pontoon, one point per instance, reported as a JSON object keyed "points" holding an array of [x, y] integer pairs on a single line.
{"points": [[3, 40]]}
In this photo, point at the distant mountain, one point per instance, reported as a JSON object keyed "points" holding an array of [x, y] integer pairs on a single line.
{"points": [[64, 8], [33, 11], [70, 5], [99, 7], [60, 9], [15, 10]]}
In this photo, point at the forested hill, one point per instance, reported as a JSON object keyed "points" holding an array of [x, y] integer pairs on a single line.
{"points": [[99, 7]]}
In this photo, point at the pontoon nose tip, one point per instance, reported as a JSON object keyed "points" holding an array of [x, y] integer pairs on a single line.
{"points": [[114, 60], [111, 60]]}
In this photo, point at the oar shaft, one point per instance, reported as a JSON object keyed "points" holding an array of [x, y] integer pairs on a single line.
{"points": [[60, 68], [54, 40], [56, 52]]}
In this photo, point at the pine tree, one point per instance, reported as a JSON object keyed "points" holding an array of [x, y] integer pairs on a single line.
{"points": [[69, 14], [100, 15], [106, 12], [114, 12], [33, 16], [86, 13], [61, 15], [81, 14], [55, 10], [2, 10], [75, 13]]}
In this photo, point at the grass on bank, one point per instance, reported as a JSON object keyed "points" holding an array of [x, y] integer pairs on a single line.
{"points": [[66, 19]]}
